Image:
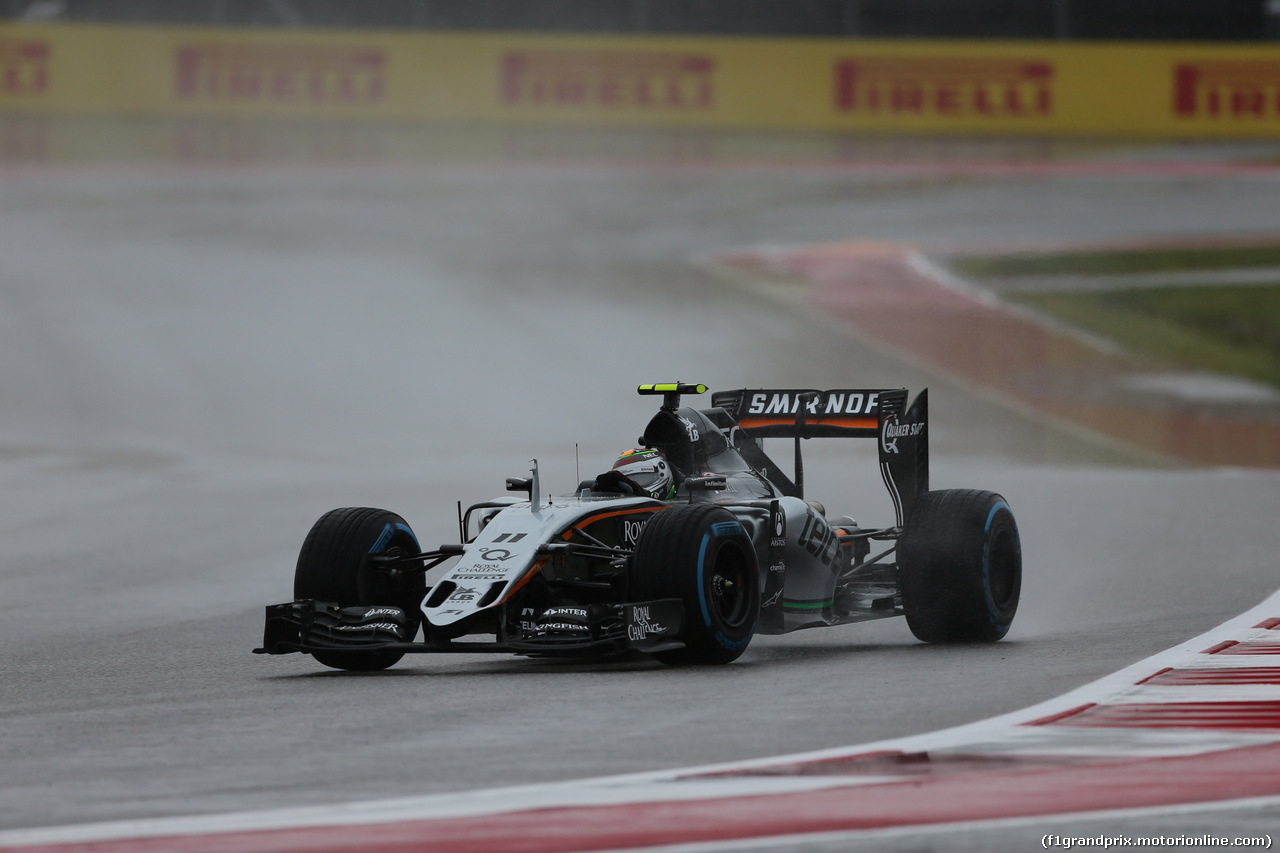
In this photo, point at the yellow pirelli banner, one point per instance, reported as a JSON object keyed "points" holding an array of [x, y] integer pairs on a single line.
{"points": [[1047, 88]]}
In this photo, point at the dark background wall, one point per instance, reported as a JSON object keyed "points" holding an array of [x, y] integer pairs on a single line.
{"points": [[1201, 20]]}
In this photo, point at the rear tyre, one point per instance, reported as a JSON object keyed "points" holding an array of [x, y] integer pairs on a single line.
{"points": [[332, 567], [700, 554], [960, 567]]}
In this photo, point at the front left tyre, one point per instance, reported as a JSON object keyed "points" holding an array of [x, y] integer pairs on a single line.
{"points": [[333, 566], [701, 554]]}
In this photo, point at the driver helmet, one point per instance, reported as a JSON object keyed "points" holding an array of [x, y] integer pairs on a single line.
{"points": [[648, 469]]}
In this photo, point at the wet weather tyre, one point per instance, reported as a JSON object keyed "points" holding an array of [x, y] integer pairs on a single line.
{"points": [[960, 567], [701, 554], [332, 567]]}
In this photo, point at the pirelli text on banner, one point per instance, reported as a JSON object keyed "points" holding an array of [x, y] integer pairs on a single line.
{"points": [[1122, 90], [609, 80], [1236, 90], [280, 73], [24, 67], [945, 87]]}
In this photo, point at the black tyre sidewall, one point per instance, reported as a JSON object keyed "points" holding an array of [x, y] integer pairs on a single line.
{"points": [[688, 552], [332, 567], [960, 567]]}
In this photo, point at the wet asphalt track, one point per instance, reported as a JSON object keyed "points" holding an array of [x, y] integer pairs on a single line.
{"points": [[199, 362]]}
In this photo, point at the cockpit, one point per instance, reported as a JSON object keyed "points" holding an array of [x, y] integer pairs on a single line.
{"points": [[695, 446]]}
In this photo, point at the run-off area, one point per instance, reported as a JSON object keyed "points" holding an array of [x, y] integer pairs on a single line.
{"points": [[201, 361]]}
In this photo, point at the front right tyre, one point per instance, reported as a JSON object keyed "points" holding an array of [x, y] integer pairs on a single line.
{"points": [[333, 566]]}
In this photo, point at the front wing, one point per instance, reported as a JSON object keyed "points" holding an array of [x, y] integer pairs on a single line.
{"points": [[319, 626]]}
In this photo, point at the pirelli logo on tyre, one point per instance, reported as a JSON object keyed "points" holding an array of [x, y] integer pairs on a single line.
{"points": [[280, 74], [947, 88], [24, 67], [609, 80], [1233, 91]]}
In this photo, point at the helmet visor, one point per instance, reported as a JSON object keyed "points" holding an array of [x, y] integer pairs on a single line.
{"points": [[644, 474]]}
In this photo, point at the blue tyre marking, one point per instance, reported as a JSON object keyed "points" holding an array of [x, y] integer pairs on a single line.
{"points": [[986, 575], [702, 589], [404, 528], [991, 515], [732, 645], [387, 533]]}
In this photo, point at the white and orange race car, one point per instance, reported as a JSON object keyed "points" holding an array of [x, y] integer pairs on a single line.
{"points": [[728, 549]]}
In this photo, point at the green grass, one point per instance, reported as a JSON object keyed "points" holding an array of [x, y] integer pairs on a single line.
{"points": [[1117, 262], [1233, 329]]}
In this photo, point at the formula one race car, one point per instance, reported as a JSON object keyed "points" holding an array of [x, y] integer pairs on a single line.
{"points": [[684, 550]]}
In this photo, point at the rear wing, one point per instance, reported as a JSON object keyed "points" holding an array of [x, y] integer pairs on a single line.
{"points": [[902, 432], [803, 414]]}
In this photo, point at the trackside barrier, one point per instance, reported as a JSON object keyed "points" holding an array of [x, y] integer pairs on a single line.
{"points": [[1040, 88]]}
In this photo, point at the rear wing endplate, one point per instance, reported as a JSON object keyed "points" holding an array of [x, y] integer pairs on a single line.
{"points": [[902, 431]]}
